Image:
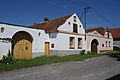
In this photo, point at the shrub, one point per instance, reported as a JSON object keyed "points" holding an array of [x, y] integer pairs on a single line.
{"points": [[93, 53], [8, 59], [88, 52], [82, 52], [116, 48]]}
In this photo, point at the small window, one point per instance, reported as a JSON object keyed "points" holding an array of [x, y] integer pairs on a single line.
{"points": [[102, 45], [72, 43], [79, 43], [52, 36], [52, 45], [109, 44], [108, 35], [69, 23], [74, 19], [80, 26], [106, 43], [2, 29], [39, 34], [75, 28]]}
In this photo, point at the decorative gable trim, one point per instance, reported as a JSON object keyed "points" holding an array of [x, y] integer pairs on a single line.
{"points": [[68, 32]]}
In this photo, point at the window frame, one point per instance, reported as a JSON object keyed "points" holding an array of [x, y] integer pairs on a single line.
{"points": [[74, 19], [2, 29], [73, 43], [109, 43], [75, 28], [79, 43], [106, 43]]}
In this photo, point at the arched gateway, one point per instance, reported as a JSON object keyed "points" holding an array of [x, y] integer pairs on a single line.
{"points": [[22, 45], [94, 45]]}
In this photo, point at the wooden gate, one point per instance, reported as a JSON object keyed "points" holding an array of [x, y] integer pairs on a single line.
{"points": [[47, 49], [22, 46], [94, 45]]}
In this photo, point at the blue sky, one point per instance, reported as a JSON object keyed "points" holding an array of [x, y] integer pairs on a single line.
{"points": [[26, 12]]}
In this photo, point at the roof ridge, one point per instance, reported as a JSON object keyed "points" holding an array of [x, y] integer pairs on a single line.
{"points": [[56, 19], [114, 28], [51, 24]]}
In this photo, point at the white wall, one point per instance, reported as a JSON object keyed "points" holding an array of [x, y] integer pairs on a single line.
{"points": [[67, 27], [37, 44], [61, 40]]}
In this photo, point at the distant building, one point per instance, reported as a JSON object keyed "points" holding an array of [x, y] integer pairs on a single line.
{"points": [[99, 40], [116, 36]]}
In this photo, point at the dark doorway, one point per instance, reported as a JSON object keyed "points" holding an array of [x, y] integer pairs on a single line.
{"points": [[94, 45]]}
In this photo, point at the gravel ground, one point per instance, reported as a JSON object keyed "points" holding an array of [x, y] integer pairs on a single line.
{"points": [[100, 68]]}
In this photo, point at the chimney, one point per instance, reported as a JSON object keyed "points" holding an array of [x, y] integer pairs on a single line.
{"points": [[34, 23], [46, 19], [107, 28]]}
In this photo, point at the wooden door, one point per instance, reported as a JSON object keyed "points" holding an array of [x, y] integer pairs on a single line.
{"points": [[22, 46], [47, 49], [94, 47]]}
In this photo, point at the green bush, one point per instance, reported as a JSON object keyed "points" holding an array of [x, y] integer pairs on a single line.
{"points": [[88, 52], [8, 59], [82, 52], [93, 53], [115, 48]]}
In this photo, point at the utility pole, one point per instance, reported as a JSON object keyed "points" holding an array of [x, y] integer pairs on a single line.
{"points": [[85, 21]]}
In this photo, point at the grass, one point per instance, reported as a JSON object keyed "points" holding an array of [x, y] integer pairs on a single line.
{"points": [[48, 60]]}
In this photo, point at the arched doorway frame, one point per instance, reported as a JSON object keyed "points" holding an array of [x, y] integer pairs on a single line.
{"points": [[97, 42], [30, 39]]}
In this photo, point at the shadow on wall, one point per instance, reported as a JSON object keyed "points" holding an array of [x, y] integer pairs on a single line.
{"points": [[116, 77]]}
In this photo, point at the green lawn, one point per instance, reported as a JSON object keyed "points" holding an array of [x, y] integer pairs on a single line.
{"points": [[47, 60]]}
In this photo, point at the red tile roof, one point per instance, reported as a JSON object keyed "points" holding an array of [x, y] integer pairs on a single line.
{"points": [[100, 30], [115, 32], [51, 25]]}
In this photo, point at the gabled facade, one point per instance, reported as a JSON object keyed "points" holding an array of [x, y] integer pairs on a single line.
{"points": [[66, 34], [99, 40]]}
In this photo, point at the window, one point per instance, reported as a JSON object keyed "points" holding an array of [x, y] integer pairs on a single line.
{"points": [[52, 45], [2, 29], [75, 28], [80, 26], [106, 43], [109, 43], [39, 34], [74, 19], [108, 35], [79, 43], [72, 43], [69, 23], [102, 45]]}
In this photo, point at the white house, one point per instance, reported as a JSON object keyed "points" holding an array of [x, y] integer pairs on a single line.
{"points": [[99, 40], [66, 34], [61, 36]]}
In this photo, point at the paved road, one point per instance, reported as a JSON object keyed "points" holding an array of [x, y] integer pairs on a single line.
{"points": [[101, 68]]}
